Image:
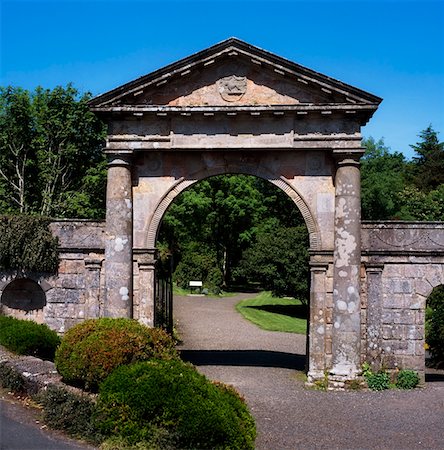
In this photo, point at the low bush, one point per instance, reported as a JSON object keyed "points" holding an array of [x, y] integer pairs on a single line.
{"points": [[28, 338], [376, 381], [407, 379], [168, 404], [90, 351], [70, 412], [11, 379]]}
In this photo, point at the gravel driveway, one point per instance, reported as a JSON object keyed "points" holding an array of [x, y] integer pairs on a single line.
{"points": [[266, 368]]}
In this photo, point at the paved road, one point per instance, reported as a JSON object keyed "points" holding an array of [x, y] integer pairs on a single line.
{"points": [[21, 430], [264, 367]]}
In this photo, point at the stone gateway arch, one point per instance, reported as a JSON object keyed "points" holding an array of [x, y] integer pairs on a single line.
{"points": [[234, 108]]}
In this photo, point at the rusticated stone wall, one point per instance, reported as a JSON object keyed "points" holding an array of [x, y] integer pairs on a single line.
{"points": [[71, 295], [402, 263]]}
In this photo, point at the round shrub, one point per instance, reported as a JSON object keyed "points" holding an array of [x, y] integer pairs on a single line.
{"points": [[407, 379], [28, 338], [168, 404], [90, 351]]}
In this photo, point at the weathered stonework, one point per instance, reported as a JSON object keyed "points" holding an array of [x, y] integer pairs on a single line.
{"points": [[404, 262], [234, 108], [76, 291]]}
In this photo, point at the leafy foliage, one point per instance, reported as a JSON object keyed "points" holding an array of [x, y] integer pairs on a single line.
{"points": [[50, 154], [428, 168], [383, 179], [378, 381], [70, 412], [26, 243], [393, 188], [168, 404], [435, 324], [407, 379], [91, 350], [279, 259], [11, 379], [28, 338], [210, 225]]}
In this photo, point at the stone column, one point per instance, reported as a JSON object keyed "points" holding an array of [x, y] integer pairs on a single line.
{"points": [[146, 261], [118, 238], [374, 315], [317, 323], [92, 280], [346, 332]]}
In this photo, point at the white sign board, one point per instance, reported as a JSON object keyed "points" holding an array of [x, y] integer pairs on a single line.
{"points": [[195, 283]]}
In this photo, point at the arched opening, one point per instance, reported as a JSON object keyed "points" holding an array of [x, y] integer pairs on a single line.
{"points": [[238, 234], [23, 298], [434, 335]]}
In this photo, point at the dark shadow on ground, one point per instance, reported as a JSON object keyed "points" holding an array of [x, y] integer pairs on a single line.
{"points": [[249, 358], [437, 376], [298, 311]]}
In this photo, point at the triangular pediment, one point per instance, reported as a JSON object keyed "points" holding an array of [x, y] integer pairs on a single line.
{"points": [[233, 73]]}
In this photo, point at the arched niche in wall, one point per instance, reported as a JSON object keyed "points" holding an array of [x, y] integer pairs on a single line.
{"points": [[23, 294]]}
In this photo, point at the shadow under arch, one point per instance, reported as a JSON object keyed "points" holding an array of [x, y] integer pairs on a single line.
{"points": [[23, 294], [260, 172]]}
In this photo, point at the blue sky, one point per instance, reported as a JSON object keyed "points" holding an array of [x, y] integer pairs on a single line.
{"points": [[392, 48]]}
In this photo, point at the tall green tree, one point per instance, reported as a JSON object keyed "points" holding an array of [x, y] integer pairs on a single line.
{"points": [[383, 179], [17, 152], [279, 259], [213, 222], [428, 165], [51, 161]]}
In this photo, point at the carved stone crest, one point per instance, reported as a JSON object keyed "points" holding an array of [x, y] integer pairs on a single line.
{"points": [[232, 88]]}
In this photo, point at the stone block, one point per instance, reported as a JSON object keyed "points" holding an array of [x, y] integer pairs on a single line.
{"points": [[422, 287], [400, 286], [65, 296], [393, 301], [414, 332], [74, 266], [393, 332], [412, 362], [414, 271], [420, 317]]}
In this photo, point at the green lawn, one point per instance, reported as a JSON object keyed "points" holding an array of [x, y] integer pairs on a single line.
{"points": [[275, 314]]}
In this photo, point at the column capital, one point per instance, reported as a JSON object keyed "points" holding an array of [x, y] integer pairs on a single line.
{"points": [[119, 157], [374, 267], [145, 257], [93, 263], [317, 266], [348, 156]]}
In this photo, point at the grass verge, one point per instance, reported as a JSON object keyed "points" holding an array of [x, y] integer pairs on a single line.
{"points": [[275, 314]]}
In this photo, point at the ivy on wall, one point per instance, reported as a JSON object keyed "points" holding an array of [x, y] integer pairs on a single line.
{"points": [[26, 243]]}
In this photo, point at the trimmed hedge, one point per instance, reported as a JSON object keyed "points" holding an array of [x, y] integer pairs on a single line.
{"points": [[168, 404], [28, 338], [90, 351]]}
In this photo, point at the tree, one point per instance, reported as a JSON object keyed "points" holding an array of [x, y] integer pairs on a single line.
{"points": [[428, 167], [420, 205], [279, 259], [51, 161], [214, 221], [382, 180], [17, 155]]}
